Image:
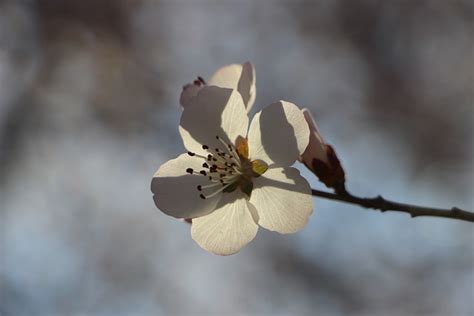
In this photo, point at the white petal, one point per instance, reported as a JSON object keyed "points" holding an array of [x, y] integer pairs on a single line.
{"points": [[316, 148], [283, 200], [214, 112], [278, 134], [239, 77], [229, 228], [175, 190], [189, 91]]}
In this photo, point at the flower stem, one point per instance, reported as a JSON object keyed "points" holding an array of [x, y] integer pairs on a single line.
{"points": [[383, 205]]}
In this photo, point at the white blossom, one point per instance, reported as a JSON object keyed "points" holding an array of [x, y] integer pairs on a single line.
{"points": [[235, 176]]}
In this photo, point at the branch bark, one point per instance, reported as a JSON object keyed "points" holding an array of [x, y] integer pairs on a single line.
{"points": [[383, 205]]}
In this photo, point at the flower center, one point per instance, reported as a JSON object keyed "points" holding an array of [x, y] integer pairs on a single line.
{"points": [[227, 168]]}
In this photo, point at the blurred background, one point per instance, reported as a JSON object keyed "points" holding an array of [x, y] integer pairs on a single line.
{"points": [[89, 110]]}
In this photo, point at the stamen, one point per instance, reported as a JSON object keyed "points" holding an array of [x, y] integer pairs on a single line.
{"points": [[215, 192], [204, 173], [216, 155], [197, 155], [202, 187], [221, 168], [223, 178], [233, 154]]}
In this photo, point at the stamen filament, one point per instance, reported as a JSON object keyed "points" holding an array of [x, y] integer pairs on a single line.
{"points": [[202, 187], [215, 192], [230, 149]]}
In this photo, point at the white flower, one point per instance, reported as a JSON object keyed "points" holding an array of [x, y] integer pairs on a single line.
{"points": [[240, 77], [235, 177]]}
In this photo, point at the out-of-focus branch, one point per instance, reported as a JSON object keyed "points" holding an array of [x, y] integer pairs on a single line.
{"points": [[383, 205]]}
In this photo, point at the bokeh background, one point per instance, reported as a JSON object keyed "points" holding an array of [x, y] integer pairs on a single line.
{"points": [[89, 110]]}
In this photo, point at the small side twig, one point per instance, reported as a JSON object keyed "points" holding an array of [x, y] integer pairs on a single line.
{"points": [[383, 205]]}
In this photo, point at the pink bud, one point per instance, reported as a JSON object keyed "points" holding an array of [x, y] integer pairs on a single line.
{"points": [[321, 158], [316, 147], [191, 90]]}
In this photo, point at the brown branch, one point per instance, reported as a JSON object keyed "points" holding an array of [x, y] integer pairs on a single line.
{"points": [[383, 205]]}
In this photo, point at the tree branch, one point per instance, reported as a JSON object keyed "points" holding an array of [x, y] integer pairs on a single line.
{"points": [[383, 205]]}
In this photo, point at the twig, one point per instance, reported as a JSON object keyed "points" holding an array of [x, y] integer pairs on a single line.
{"points": [[381, 204]]}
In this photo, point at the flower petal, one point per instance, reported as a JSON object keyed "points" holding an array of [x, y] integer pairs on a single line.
{"points": [[239, 77], [214, 112], [283, 200], [229, 228], [175, 190], [278, 134]]}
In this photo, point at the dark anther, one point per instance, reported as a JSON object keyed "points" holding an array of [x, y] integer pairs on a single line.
{"points": [[214, 159], [202, 196], [199, 187], [205, 147], [191, 154], [217, 137], [217, 150], [205, 165], [203, 172], [189, 170]]}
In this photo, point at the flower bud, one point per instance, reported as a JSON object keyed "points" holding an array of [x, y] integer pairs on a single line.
{"points": [[321, 158], [191, 90]]}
